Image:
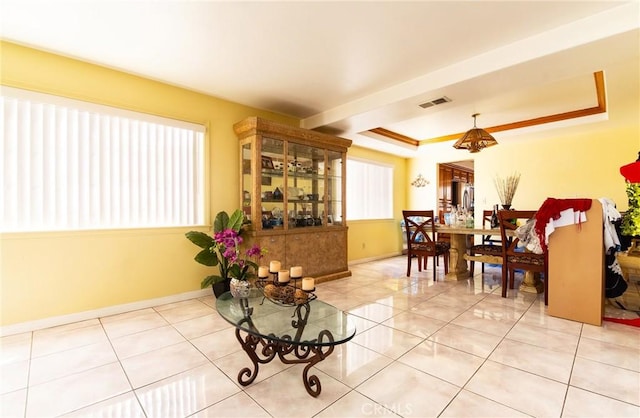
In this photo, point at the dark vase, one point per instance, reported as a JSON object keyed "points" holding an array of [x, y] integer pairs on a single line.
{"points": [[221, 287], [506, 207]]}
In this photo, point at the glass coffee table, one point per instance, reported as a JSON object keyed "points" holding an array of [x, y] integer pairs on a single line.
{"points": [[305, 333]]}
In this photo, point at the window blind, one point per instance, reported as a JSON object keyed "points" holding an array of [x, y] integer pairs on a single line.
{"points": [[70, 165], [369, 190]]}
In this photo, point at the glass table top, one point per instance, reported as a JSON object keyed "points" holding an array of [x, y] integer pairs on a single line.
{"points": [[313, 323]]}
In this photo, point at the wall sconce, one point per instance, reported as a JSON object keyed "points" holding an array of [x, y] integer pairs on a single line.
{"points": [[420, 181]]}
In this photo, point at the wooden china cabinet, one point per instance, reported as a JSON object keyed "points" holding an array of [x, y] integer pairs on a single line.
{"points": [[293, 192]]}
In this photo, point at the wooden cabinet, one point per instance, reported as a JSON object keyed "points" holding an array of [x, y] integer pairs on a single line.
{"points": [[293, 192], [448, 175]]}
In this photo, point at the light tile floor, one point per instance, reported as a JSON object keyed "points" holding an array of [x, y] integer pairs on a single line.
{"points": [[423, 349]]}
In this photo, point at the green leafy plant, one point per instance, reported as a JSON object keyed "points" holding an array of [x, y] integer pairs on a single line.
{"points": [[223, 249], [631, 220]]}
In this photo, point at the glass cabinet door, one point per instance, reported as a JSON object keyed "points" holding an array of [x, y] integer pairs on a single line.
{"points": [[333, 196], [272, 187], [247, 179], [305, 186]]}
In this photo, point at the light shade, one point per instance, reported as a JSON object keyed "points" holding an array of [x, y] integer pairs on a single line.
{"points": [[475, 139]]}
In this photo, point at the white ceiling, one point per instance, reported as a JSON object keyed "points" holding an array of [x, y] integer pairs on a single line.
{"points": [[347, 67]]}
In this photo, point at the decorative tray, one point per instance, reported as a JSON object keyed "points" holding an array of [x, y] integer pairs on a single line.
{"points": [[286, 294]]}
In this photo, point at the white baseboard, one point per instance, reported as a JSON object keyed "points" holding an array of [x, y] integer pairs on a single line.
{"points": [[99, 313], [379, 257]]}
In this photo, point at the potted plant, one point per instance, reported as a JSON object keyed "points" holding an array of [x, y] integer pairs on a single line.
{"points": [[223, 249]]}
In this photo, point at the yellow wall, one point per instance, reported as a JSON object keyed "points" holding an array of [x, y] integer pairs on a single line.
{"points": [[379, 238], [53, 274]]}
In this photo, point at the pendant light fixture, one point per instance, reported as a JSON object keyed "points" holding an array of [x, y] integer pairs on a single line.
{"points": [[475, 139]]}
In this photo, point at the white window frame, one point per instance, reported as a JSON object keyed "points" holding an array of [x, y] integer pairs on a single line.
{"points": [[370, 190], [70, 165]]}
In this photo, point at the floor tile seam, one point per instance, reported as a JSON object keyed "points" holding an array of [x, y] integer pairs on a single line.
{"points": [[179, 303], [226, 355], [85, 344], [204, 361], [393, 414], [465, 387], [486, 359], [108, 319], [573, 352], [171, 376], [555, 350], [397, 330], [65, 374], [189, 318], [515, 408], [434, 376], [535, 374], [105, 322], [460, 389], [547, 328], [371, 349], [234, 379], [577, 356], [434, 318], [26, 395], [419, 335], [609, 342], [132, 334], [48, 381], [605, 396], [106, 399], [334, 402], [573, 385], [59, 329], [120, 358], [497, 304], [483, 299], [365, 318], [240, 390], [192, 303], [454, 348], [529, 372], [626, 347], [32, 356]]}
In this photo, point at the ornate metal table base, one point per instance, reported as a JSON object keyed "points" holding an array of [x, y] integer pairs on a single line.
{"points": [[289, 351]]}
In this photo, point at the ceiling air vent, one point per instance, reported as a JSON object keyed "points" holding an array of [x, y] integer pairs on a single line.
{"points": [[435, 102]]}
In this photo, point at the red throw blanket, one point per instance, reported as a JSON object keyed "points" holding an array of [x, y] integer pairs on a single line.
{"points": [[551, 209]]}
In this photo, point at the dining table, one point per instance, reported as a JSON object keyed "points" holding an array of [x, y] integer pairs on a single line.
{"points": [[458, 256]]}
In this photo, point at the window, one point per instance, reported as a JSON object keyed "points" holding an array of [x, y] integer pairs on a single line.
{"points": [[71, 165], [369, 190]]}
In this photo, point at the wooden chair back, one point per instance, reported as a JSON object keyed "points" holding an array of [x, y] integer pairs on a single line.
{"points": [[420, 228], [486, 224], [422, 243], [515, 257]]}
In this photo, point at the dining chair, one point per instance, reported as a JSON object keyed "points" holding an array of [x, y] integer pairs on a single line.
{"points": [[515, 257], [490, 248], [421, 240]]}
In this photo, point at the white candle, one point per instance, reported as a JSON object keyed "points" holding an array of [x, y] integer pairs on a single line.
{"points": [[308, 283], [283, 276], [263, 271], [296, 272], [274, 266]]}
